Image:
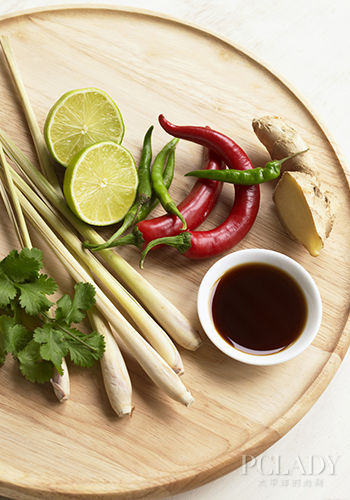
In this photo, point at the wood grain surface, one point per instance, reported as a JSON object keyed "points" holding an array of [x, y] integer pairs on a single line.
{"points": [[152, 65]]}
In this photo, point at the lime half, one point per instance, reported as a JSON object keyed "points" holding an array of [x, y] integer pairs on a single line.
{"points": [[79, 119], [100, 183]]}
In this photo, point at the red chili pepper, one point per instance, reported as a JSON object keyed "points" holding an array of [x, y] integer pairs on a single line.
{"points": [[195, 208], [226, 148], [202, 244]]}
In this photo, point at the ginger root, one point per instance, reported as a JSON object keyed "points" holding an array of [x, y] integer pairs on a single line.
{"points": [[302, 204]]}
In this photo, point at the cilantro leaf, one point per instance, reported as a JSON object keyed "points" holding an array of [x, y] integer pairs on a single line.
{"points": [[35, 255], [64, 306], [7, 290], [73, 311], [32, 366], [84, 296], [14, 336], [33, 295], [85, 355], [23, 266], [53, 346], [19, 337]]}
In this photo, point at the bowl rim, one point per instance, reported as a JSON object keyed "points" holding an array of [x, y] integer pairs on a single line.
{"points": [[281, 261]]}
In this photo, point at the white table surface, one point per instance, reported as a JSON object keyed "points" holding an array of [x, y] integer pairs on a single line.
{"points": [[308, 43]]}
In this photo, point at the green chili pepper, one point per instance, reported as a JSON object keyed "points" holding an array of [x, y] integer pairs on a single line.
{"points": [[143, 195], [144, 189], [257, 175], [159, 186], [168, 175]]}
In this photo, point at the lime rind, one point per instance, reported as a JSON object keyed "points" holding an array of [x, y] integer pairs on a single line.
{"points": [[79, 119]]}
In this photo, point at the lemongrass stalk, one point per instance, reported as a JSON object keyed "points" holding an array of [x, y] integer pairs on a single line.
{"points": [[114, 372], [21, 224], [172, 320], [61, 384], [150, 329], [38, 139], [152, 363], [11, 213]]}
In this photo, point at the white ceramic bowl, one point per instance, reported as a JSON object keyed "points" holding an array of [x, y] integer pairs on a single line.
{"points": [[281, 261]]}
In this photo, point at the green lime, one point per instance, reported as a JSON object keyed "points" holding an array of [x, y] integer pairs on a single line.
{"points": [[100, 183], [79, 119]]}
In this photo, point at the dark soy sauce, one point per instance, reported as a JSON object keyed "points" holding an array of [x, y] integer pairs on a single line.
{"points": [[258, 308]]}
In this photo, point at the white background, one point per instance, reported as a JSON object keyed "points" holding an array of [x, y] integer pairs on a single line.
{"points": [[308, 43]]}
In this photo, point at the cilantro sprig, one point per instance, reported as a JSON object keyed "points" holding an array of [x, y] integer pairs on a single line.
{"points": [[39, 350]]}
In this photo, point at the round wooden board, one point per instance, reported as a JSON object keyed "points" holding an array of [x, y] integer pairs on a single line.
{"points": [[153, 65]]}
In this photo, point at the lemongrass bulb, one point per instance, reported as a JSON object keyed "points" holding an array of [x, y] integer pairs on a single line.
{"points": [[61, 384], [114, 372]]}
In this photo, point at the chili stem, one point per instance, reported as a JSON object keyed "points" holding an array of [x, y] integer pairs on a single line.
{"points": [[182, 242], [290, 156]]}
